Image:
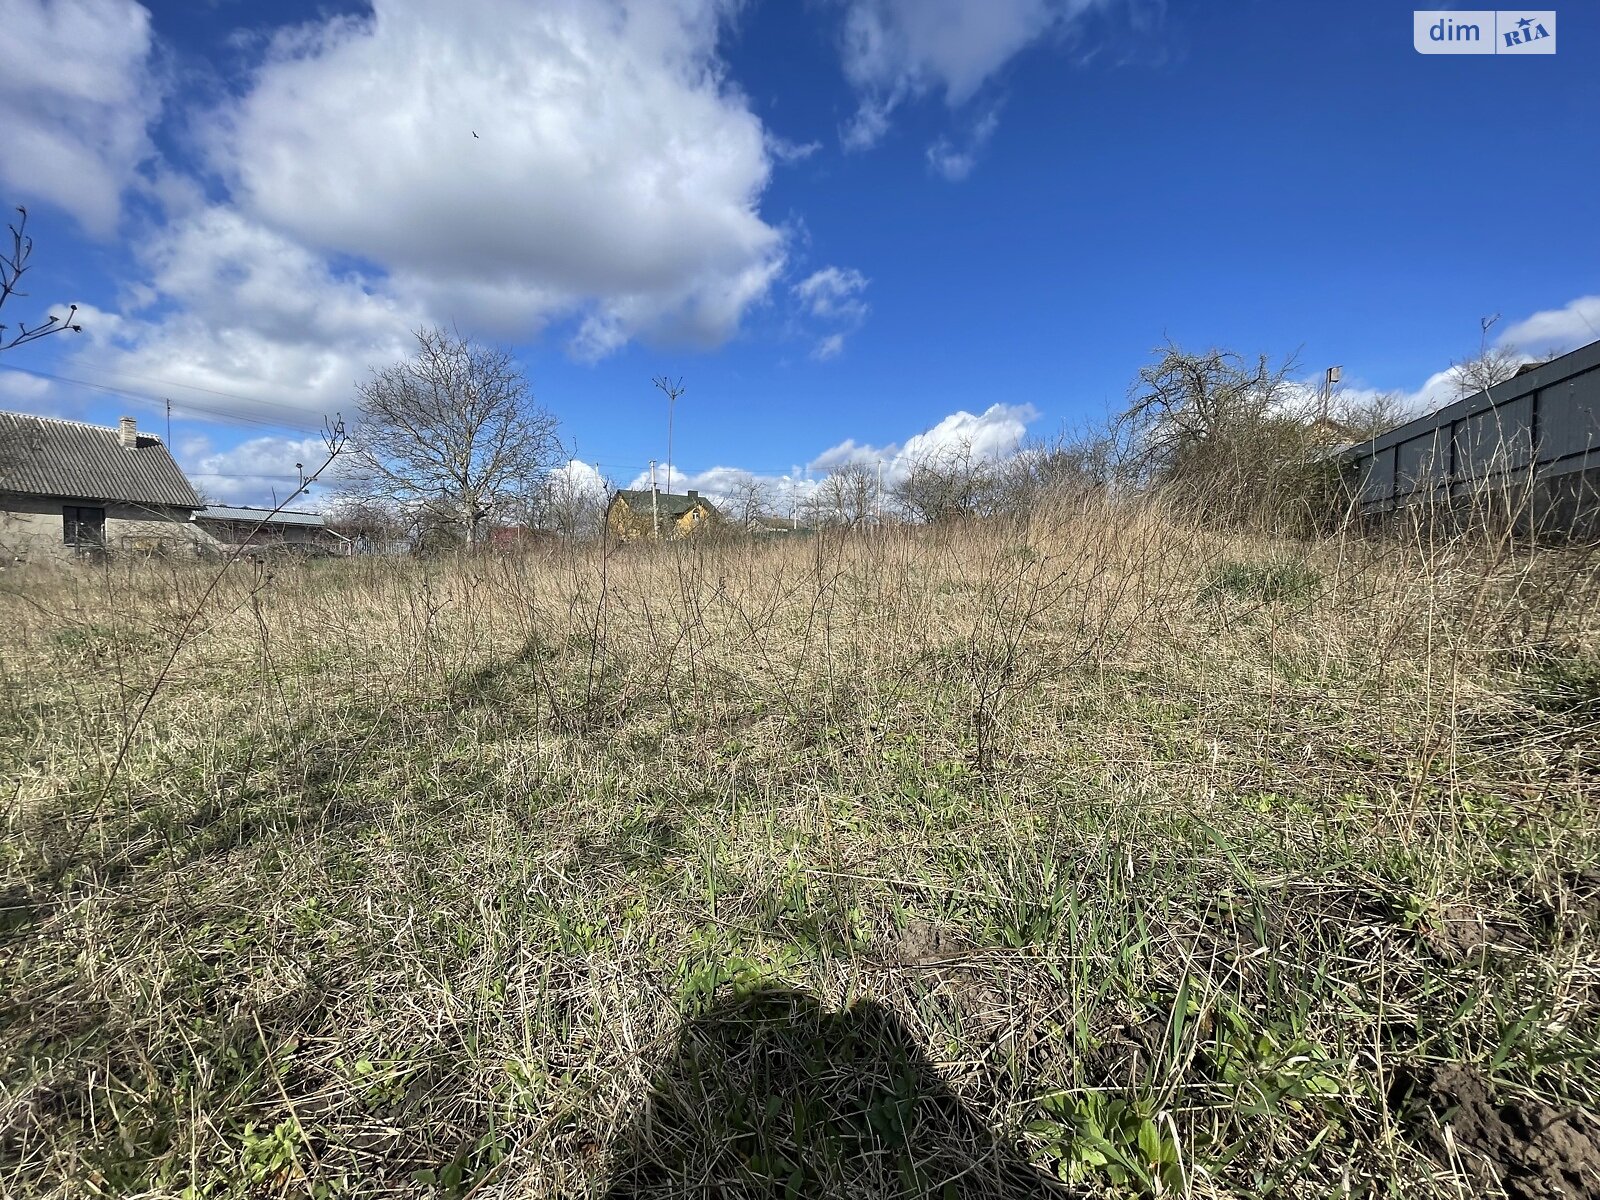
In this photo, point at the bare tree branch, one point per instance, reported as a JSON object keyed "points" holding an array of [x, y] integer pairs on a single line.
{"points": [[13, 265]]}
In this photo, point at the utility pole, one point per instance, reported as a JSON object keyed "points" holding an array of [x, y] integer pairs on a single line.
{"points": [[672, 391], [169, 424], [1330, 377], [878, 516], [655, 512]]}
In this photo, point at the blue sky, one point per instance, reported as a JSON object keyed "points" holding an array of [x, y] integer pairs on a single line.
{"points": [[855, 228]]}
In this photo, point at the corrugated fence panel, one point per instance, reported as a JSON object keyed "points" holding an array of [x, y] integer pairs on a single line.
{"points": [[1377, 478], [1422, 461], [1569, 416], [1496, 440]]}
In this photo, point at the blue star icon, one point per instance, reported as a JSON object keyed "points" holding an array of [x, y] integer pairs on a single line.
{"points": [[1525, 22]]}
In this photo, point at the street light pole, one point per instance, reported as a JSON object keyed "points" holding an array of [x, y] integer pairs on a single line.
{"points": [[655, 513], [672, 391]]}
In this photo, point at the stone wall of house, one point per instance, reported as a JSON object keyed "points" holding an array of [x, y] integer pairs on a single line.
{"points": [[32, 528]]}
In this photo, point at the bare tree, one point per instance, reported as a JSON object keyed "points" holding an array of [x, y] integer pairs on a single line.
{"points": [[849, 496], [13, 265], [1490, 366], [947, 483], [450, 433], [367, 524], [1231, 438], [1371, 416], [1067, 466], [573, 504], [746, 500]]}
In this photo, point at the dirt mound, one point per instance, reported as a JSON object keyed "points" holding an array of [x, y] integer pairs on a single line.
{"points": [[1527, 1148]]}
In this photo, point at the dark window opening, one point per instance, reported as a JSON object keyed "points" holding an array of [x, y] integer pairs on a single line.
{"points": [[83, 526]]}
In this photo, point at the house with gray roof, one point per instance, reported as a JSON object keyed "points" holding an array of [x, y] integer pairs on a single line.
{"points": [[68, 489], [226, 527]]}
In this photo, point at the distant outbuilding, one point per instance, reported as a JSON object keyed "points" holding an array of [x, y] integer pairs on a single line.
{"points": [[227, 527]]}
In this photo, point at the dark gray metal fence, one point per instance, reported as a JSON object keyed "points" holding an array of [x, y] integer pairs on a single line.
{"points": [[1529, 446]]}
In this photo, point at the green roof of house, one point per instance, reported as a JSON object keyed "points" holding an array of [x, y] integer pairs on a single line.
{"points": [[666, 503]]}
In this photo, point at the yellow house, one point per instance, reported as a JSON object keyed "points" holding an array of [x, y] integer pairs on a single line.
{"points": [[638, 515]]}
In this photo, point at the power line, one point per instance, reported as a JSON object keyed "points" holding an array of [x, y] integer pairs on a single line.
{"points": [[150, 398], [192, 387], [244, 474]]}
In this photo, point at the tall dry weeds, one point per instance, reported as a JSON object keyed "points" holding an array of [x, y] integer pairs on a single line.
{"points": [[1103, 847]]}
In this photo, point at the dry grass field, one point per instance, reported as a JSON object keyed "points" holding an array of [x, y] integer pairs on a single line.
{"points": [[1095, 855]]}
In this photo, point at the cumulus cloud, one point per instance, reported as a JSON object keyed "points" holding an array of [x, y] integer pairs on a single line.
{"points": [[896, 50], [260, 471], [994, 433], [1556, 330], [509, 163], [580, 475], [491, 164], [77, 96], [832, 297], [241, 319]]}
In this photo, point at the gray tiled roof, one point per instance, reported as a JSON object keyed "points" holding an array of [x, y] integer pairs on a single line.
{"points": [[667, 504], [288, 516], [43, 456]]}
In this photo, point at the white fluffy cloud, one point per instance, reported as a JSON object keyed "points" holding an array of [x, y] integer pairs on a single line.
{"points": [[995, 433], [491, 164], [1556, 330], [510, 162], [77, 96], [895, 50], [258, 471], [238, 313], [577, 478]]}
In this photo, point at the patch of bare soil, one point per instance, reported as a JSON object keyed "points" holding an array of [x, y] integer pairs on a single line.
{"points": [[1523, 1147], [1454, 933], [923, 943]]}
